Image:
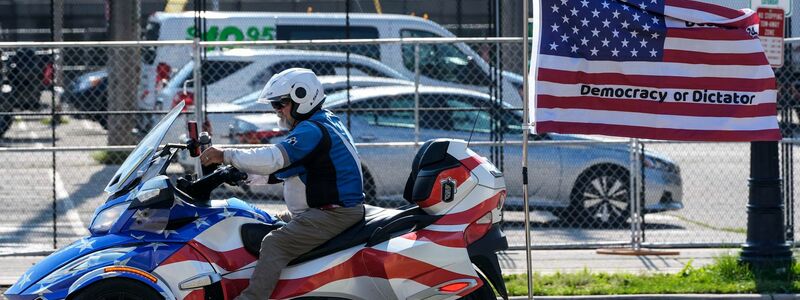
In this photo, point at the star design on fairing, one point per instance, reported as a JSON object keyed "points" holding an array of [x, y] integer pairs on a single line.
{"points": [[167, 233], [84, 244], [226, 214], [200, 221], [177, 202], [24, 279], [156, 245], [137, 237], [122, 262], [41, 291], [142, 216]]}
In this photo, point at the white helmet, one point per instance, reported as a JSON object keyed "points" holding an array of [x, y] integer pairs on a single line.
{"points": [[298, 84]]}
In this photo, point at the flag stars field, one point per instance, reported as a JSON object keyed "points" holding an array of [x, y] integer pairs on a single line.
{"points": [[615, 48]]}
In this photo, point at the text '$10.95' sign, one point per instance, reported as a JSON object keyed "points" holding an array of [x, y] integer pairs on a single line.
{"points": [[234, 33]]}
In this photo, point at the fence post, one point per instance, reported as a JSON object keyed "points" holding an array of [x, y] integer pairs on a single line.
{"points": [[198, 95], [635, 182], [416, 93]]}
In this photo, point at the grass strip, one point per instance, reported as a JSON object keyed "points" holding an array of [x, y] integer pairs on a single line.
{"points": [[701, 224], [48, 120], [724, 276]]}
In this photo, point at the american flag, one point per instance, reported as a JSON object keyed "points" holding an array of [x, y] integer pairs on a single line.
{"points": [[660, 69]]}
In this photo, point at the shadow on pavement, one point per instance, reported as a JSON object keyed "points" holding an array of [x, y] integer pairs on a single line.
{"points": [[44, 218], [557, 223]]}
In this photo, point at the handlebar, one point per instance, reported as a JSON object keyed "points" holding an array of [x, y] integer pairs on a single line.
{"points": [[201, 188]]}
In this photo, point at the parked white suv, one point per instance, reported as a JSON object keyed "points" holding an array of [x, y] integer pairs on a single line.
{"points": [[230, 74]]}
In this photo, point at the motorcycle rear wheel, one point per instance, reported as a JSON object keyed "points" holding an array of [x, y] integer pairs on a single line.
{"points": [[117, 289]]}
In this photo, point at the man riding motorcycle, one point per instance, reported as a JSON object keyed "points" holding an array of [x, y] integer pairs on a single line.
{"points": [[319, 167]]}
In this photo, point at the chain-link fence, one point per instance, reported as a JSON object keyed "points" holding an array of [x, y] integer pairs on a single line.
{"points": [[392, 94]]}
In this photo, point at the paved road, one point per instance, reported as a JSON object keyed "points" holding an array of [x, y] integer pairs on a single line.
{"points": [[513, 262], [714, 175]]}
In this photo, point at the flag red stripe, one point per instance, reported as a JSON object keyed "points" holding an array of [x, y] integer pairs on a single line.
{"points": [[667, 82], [659, 133], [709, 34], [694, 57], [454, 239], [709, 8], [472, 214], [370, 262], [664, 108], [231, 260]]}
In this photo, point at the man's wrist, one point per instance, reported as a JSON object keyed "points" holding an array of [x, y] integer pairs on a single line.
{"points": [[226, 159]]}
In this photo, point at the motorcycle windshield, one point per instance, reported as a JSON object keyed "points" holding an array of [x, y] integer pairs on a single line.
{"points": [[137, 162]]}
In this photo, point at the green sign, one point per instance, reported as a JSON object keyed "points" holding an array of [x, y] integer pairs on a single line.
{"points": [[233, 33]]}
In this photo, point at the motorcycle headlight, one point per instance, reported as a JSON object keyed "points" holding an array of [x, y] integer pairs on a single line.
{"points": [[103, 221]]}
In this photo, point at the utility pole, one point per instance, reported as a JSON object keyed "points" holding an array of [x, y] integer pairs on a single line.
{"points": [[123, 71], [766, 248]]}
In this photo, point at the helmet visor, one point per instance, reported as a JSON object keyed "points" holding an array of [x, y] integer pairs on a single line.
{"points": [[280, 103]]}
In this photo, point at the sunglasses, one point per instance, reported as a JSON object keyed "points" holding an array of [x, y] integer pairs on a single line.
{"points": [[277, 105]]}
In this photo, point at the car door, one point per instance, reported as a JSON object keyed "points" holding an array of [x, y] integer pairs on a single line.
{"points": [[455, 116]]}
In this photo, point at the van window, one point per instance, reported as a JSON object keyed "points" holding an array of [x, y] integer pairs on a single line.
{"points": [[301, 32], [151, 33], [443, 62]]}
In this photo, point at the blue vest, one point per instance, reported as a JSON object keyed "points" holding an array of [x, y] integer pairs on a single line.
{"points": [[321, 153]]}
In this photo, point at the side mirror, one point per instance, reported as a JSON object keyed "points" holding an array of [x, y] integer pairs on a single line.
{"points": [[186, 85]]}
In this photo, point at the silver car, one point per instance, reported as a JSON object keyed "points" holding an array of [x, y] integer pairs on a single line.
{"points": [[221, 115], [578, 178]]}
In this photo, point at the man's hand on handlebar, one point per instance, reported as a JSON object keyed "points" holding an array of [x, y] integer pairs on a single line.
{"points": [[212, 156]]}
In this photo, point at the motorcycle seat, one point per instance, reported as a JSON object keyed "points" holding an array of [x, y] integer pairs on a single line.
{"points": [[374, 218]]}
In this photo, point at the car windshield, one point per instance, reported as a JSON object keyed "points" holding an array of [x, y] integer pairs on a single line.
{"points": [[143, 152], [247, 100]]}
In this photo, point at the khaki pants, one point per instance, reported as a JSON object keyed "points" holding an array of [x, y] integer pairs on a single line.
{"points": [[301, 234]]}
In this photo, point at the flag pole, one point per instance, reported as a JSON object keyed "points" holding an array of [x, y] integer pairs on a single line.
{"points": [[525, 134]]}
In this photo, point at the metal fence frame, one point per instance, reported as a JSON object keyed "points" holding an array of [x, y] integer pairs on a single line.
{"points": [[786, 144]]}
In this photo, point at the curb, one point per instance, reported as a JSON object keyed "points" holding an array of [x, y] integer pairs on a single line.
{"points": [[670, 297]]}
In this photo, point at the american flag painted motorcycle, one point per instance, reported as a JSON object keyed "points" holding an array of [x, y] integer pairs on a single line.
{"points": [[159, 239]]}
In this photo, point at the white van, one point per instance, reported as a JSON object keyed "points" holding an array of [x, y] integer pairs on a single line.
{"points": [[454, 65]]}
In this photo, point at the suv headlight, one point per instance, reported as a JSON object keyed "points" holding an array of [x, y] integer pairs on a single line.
{"points": [[659, 164], [106, 218]]}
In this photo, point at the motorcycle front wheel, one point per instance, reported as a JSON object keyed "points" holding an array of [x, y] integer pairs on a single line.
{"points": [[117, 289]]}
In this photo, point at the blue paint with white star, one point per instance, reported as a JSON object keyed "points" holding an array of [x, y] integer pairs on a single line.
{"points": [[149, 249], [631, 30]]}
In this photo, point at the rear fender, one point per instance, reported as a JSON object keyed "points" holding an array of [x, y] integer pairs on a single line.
{"points": [[483, 255], [129, 273]]}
